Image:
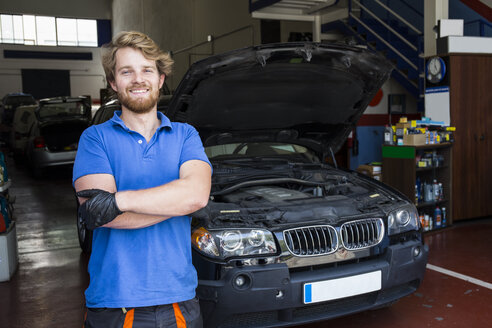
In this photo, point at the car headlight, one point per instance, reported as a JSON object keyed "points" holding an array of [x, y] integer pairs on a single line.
{"points": [[403, 219], [228, 243]]}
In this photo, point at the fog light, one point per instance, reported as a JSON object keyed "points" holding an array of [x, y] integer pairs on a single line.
{"points": [[416, 251], [280, 294], [241, 281]]}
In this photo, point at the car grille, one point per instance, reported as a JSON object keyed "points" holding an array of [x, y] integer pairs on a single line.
{"points": [[323, 239], [311, 241], [362, 233]]}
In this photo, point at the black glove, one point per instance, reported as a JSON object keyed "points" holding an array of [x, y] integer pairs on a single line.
{"points": [[99, 209]]}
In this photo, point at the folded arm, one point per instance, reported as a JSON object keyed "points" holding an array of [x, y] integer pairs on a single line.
{"points": [[145, 207]]}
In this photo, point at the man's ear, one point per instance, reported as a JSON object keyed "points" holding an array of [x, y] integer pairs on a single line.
{"points": [[113, 86], [161, 80]]}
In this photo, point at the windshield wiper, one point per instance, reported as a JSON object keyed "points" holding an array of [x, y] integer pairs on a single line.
{"points": [[246, 161]]}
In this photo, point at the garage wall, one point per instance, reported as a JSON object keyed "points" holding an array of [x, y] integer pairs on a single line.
{"points": [[173, 24], [178, 24], [370, 128], [86, 77], [389, 88], [168, 23]]}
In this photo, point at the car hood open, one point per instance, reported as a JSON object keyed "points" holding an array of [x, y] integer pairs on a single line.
{"points": [[306, 93]]}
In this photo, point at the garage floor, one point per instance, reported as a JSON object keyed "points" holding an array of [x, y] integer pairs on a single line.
{"points": [[47, 289]]}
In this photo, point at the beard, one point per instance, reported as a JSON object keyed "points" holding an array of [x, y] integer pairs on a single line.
{"points": [[139, 105]]}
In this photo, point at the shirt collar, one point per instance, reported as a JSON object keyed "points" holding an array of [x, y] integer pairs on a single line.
{"points": [[165, 122]]}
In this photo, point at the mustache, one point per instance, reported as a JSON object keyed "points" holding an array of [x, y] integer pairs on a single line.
{"points": [[139, 85]]}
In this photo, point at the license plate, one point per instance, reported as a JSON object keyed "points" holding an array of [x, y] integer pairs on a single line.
{"points": [[333, 289]]}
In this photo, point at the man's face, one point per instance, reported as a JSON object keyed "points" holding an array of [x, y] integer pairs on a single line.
{"points": [[136, 80]]}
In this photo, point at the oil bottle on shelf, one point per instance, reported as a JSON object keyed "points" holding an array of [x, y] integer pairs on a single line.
{"points": [[437, 217]]}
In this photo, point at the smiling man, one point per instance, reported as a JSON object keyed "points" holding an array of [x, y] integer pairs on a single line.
{"points": [[137, 92], [138, 176]]}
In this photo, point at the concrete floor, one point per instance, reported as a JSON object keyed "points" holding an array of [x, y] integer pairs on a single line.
{"points": [[47, 289]]}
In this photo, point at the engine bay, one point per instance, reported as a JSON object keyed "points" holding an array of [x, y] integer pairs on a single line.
{"points": [[311, 194]]}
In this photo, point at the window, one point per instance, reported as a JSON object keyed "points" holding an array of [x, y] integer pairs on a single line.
{"points": [[48, 31], [67, 31], [18, 29], [87, 32], [45, 31], [7, 28], [29, 29], [11, 29]]}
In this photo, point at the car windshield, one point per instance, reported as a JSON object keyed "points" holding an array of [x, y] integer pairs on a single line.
{"points": [[104, 113], [63, 110], [259, 149]]}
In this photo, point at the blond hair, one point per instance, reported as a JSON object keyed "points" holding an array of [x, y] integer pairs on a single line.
{"points": [[139, 41]]}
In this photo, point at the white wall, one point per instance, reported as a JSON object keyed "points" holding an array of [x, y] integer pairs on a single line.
{"points": [[86, 77]]}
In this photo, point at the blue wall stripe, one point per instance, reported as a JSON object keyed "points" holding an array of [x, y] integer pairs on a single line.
{"points": [[24, 54]]}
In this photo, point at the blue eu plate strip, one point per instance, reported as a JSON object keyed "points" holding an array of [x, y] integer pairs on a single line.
{"points": [[307, 293]]}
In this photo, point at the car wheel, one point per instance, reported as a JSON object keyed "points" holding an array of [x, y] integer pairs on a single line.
{"points": [[85, 235]]}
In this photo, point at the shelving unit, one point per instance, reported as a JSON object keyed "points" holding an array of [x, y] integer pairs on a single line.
{"points": [[5, 186], [400, 171], [9, 257]]}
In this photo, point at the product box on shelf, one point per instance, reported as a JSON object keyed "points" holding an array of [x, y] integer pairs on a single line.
{"points": [[8, 252], [403, 125], [414, 139], [374, 171]]}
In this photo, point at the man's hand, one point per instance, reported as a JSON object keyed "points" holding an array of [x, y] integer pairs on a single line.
{"points": [[99, 209]]}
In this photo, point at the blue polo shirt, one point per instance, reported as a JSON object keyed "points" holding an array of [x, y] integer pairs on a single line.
{"points": [[152, 265]]}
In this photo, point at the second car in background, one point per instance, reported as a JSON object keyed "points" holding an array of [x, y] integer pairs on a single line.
{"points": [[8, 107], [54, 131]]}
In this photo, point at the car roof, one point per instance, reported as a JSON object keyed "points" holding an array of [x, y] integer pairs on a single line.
{"points": [[16, 94]]}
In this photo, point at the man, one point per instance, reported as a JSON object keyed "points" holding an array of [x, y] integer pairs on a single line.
{"points": [[137, 176]]}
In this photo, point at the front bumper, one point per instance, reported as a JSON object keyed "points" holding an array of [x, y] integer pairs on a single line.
{"points": [[274, 295]]}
